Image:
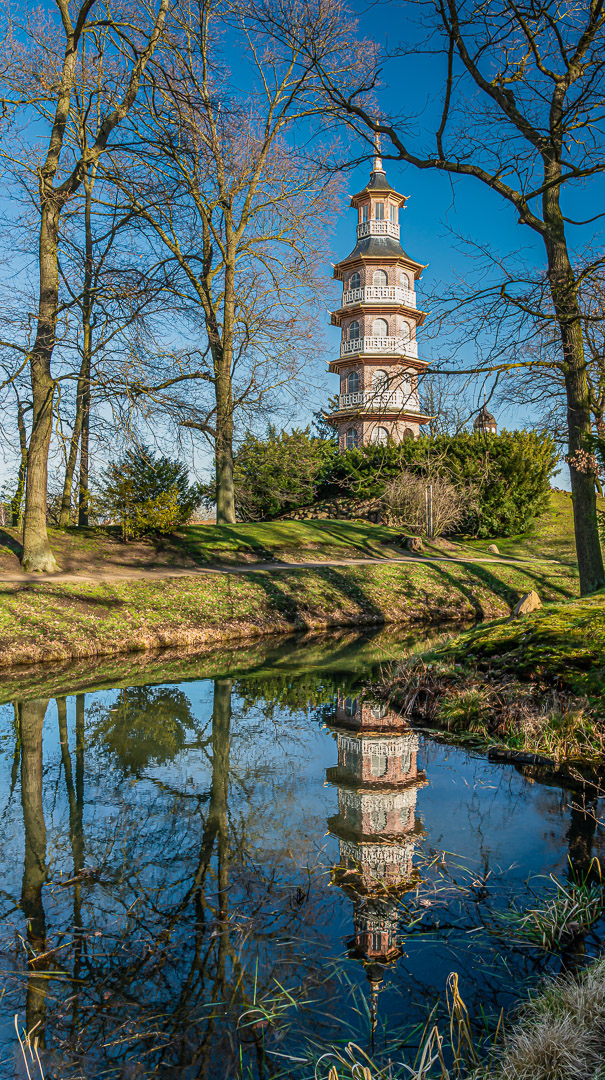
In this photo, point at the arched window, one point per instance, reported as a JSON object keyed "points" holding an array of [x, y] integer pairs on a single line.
{"points": [[351, 706], [380, 380], [380, 328], [353, 382], [379, 211], [405, 281], [380, 435], [408, 433], [405, 331], [353, 330], [355, 280], [352, 438], [381, 277], [405, 387]]}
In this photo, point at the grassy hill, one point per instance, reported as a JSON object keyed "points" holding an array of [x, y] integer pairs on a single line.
{"points": [[551, 537]]}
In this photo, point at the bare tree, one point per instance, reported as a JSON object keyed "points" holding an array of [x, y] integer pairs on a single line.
{"points": [[241, 211], [521, 113], [43, 86]]}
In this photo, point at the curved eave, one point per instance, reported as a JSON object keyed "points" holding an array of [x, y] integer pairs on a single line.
{"points": [[377, 307], [378, 189], [383, 248], [375, 414], [412, 363]]}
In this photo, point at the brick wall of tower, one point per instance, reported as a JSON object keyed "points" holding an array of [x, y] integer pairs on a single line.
{"points": [[398, 430]]}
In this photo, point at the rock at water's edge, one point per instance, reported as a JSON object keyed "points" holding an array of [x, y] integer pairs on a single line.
{"points": [[528, 603]]}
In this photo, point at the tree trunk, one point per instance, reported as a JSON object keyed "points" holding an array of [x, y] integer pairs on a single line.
{"points": [[225, 496], [83, 493], [31, 723], [17, 499], [37, 554], [70, 468], [579, 416]]}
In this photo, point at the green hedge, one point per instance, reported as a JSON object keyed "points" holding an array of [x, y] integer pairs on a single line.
{"points": [[509, 474]]}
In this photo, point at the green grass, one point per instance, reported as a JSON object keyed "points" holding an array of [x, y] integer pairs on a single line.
{"points": [[48, 620], [533, 684], [562, 644], [551, 536], [292, 540]]}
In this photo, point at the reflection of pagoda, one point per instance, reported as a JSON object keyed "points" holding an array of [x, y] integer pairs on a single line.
{"points": [[377, 779]]}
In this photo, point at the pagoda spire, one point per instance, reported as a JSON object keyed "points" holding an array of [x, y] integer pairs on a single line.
{"points": [[378, 166]]}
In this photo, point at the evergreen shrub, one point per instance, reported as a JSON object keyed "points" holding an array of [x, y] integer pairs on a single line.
{"points": [[148, 494], [279, 473]]}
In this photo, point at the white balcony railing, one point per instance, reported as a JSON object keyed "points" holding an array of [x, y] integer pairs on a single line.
{"points": [[379, 345], [377, 228], [390, 293], [380, 400]]}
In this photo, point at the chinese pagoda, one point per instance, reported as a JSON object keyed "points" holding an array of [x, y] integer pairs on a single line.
{"points": [[378, 363]]}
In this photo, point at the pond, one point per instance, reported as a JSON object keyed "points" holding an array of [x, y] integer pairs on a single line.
{"points": [[223, 867]]}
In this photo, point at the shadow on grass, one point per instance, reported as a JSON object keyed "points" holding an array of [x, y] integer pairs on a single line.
{"points": [[10, 543], [9, 589]]}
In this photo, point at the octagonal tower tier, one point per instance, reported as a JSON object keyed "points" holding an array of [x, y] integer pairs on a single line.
{"points": [[378, 363]]}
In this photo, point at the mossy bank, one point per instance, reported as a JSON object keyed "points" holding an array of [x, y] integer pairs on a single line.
{"points": [[49, 621], [532, 684]]}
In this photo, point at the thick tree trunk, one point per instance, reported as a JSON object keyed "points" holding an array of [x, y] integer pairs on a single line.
{"points": [[31, 723], [37, 554], [225, 496], [579, 416]]}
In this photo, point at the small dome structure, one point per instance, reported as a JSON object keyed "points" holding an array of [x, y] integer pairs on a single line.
{"points": [[484, 421]]}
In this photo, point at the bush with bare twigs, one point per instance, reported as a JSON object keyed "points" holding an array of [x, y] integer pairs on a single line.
{"points": [[405, 502]]}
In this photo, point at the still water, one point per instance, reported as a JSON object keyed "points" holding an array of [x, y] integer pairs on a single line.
{"points": [[222, 868]]}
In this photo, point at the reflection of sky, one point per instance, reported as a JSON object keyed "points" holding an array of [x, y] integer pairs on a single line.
{"points": [[143, 833]]}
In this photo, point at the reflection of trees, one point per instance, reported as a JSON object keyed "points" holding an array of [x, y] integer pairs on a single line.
{"points": [[167, 936], [146, 724], [31, 722]]}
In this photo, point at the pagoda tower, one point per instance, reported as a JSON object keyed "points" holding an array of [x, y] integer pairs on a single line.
{"points": [[378, 363], [377, 780]]}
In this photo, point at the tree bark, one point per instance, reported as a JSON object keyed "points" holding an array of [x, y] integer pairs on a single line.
{"points": [[225, 495], [31, 723], [37, 554], [70, 468], [579, 405], [17, 499]]}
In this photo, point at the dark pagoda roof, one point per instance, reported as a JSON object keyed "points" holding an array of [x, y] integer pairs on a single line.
{"points": [[380, 246], [377, 182], [484, 419]]}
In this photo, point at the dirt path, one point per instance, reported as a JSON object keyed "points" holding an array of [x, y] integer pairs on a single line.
{"points": [[253, 568]]}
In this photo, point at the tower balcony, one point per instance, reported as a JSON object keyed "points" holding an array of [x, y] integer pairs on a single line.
{"points": [[389, 293], [380, 401], [377, 228], [386, 345]]}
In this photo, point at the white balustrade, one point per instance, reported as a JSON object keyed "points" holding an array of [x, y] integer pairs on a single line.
{"points": [[377, 228], [379, 345], [380, 400], [393, 293]]}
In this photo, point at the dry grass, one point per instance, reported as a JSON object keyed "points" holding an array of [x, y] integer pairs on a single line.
{"points": [[560, 1033]]}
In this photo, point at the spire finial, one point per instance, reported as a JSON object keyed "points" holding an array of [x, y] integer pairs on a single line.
{"points": [[377, 158]]}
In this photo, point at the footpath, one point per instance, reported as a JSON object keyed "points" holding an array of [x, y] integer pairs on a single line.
{"points": [[258, 567]]}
